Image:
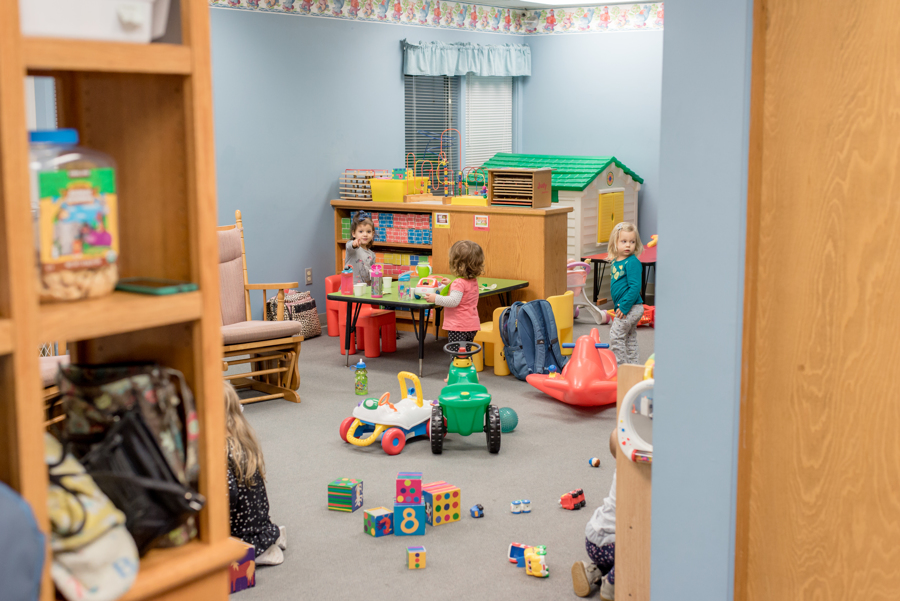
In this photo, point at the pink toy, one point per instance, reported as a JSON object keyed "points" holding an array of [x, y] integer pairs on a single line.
{"points": [[587, 380]]}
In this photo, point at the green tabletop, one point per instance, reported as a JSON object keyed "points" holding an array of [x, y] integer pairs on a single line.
{"points": [[390, 297]]}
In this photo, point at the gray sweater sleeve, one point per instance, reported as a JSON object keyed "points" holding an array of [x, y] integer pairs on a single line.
{"points": [[452, 300], [361, 260]]}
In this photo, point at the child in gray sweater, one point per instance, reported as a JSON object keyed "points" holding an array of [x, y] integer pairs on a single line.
{"points": [[360, 256]]}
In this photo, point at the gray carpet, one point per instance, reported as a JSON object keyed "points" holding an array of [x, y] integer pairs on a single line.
{"points": [[330, 557]]}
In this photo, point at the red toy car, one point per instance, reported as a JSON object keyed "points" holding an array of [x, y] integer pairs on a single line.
{"points": [[572, 500]]}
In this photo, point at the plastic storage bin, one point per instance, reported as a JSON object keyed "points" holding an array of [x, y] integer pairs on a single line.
{"points": [[112, 20], [393, 190], [74, 209]]}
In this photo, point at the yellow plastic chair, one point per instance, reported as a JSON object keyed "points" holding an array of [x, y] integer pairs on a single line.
{"points": [[564, 314], [489, 338]]}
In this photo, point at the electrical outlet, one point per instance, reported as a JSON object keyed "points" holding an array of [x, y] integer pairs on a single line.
{"points": [[309, 276]]}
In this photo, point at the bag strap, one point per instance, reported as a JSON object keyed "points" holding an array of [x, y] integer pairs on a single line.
{"points": [[553, 333], [192, 499], [540, 336]]}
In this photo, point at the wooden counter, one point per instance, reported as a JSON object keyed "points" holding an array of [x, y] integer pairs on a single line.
{"points": [[519, 244]]}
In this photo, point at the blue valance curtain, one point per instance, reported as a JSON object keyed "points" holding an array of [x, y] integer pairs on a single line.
{"points": [[459, 58]]}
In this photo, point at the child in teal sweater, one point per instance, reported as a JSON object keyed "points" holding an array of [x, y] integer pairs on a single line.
{"points": [[625, 287]]}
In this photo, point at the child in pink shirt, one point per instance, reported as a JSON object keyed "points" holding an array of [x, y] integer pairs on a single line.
{"points": [[461, 305]]}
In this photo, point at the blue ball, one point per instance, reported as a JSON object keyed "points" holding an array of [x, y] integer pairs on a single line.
{"points": [[508, 420]]}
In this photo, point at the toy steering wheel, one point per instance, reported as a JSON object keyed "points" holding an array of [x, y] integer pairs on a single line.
{"points": [[452, 348]]}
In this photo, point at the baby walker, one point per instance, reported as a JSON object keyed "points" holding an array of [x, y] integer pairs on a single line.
{"points": [[576, 278], [398, 422]]}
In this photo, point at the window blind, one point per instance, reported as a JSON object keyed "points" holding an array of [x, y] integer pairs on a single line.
{"points": [[488, 117], [431, 108]]}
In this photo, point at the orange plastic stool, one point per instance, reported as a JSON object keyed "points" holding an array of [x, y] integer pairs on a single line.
{"points": [[375, 325]]}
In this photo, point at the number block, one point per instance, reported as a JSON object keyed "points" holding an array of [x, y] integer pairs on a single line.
{"points": [[378, 521], [443, 503], [409, 488], [409, 520], [416, 557], [345, 494]]}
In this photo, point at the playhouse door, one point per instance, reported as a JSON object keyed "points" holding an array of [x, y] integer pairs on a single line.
{"points": [[611, 212]]}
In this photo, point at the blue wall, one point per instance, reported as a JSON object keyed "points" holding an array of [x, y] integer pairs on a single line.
{"points": [[703, 179], [598, 94], [297, 100]]}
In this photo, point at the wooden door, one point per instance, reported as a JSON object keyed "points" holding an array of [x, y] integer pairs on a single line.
{"points": [[819, 466]]}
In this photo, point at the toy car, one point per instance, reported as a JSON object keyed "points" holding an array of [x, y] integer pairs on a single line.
{"points": [[430, 284], [573, 500], [464, 405], [395, 423], [477, 511]]}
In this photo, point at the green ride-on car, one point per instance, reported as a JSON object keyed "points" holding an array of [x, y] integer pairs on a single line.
{"points": [[464, 405]]}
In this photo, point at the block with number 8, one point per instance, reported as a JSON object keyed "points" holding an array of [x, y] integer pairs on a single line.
{"points": [[409, 520]]}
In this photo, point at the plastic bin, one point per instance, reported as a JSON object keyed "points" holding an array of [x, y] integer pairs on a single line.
{"points": [[393, 190], [112, 20]]}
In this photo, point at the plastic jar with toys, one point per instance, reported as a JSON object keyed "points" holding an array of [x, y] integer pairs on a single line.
{"points": [[74, 210]]}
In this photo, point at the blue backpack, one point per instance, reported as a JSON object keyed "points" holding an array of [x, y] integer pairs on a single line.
{"points": [[530, 340]]}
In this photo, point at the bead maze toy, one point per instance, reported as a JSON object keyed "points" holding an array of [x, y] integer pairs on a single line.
{"points": [[587, 380], [464, 405], [395, 423]]}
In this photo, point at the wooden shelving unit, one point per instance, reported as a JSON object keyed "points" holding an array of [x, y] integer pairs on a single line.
{"points": [[394, 245], [150, 108]]}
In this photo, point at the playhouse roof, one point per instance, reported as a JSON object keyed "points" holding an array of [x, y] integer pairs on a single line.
{"points": [[570, 173]]}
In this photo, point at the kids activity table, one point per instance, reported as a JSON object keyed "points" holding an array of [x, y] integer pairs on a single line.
{"points": [[390, 300], [647, 259]]}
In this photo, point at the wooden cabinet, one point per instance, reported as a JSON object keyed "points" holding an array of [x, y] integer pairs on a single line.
{"points": [[519, 243], [150, 108]]}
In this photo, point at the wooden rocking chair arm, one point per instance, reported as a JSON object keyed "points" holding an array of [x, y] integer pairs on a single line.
{"points": [[281, 286]]}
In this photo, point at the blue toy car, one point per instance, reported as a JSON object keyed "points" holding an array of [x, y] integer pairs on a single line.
{"points": [[477, 511]]}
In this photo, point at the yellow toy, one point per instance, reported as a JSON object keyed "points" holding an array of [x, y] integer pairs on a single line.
{"points": [[535, 561], [653, 240]]}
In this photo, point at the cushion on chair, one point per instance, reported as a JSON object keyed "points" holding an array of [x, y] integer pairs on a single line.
{"points": [[231, 277], [255, 331], [50, 367]]}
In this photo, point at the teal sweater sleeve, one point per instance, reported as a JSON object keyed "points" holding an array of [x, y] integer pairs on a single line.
{"points": [[625, 285]]}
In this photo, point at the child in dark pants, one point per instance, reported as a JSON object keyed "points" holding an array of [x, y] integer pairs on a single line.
{"points": [[600, 543]]}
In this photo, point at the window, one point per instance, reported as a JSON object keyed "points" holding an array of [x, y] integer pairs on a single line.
{"points": [[431, 108], [488, 117]]}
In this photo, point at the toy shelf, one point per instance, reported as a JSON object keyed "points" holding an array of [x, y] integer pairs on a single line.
{"points": [[6, 340], [118, 313], [51, 54], [343, 243], [149, 106]]}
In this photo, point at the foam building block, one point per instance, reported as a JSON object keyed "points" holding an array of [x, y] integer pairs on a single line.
{"points": [[378, 521], [443, 503], [416, 557], [409, 488], [409, 520], [345, 494], [242, 572]]}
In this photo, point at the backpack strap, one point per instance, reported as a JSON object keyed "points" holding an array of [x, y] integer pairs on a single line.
{"points": [[553, 335], [509, 316], [539, 344]]}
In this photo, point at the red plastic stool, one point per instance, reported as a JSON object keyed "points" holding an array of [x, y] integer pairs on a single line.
{"points": [[377, 324]]}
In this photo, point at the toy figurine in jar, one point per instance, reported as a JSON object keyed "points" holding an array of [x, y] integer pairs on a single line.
{"points": [[74, 210]]}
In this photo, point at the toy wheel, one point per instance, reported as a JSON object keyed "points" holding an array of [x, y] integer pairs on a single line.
{"points": [[492, 428], [345, 427], [428, 428], [393, 441], [438, 430]]}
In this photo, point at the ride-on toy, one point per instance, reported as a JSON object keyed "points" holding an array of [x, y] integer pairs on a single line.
{"points": [[464, 405], [398, 422]]}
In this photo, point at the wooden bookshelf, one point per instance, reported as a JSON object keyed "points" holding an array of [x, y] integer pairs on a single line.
{"points": [[150, 108], [393, 245]]}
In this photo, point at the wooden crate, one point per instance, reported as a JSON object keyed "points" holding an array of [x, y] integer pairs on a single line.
{"points": [[519, 187], [354, 184]]}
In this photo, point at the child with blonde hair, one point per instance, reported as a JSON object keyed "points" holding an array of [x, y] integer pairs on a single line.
{"points": [[250, 519], [625, 287], [461, 305], [360, 256]]}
